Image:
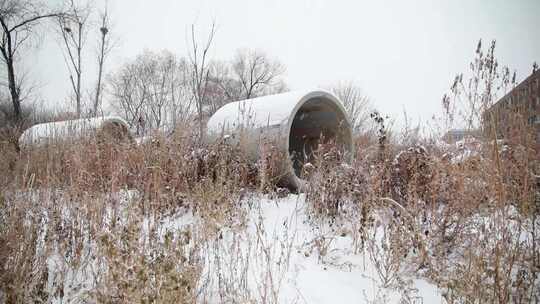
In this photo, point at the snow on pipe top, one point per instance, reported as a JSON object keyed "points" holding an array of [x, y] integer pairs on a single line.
{"points": [[294, 122], [75, 129]]}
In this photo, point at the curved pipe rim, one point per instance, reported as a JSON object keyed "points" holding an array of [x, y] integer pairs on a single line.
{"points": [[318, 93]]}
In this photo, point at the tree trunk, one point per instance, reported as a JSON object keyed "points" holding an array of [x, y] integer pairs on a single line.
{"points": [[15, 98], [79, 72], [100, 72], [7, 53]]}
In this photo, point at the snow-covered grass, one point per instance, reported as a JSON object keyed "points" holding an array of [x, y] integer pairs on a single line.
{"points": [[172, 221], [273, 255]]}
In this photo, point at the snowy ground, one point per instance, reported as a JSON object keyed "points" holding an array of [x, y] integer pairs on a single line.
{"points": [[341, 276], [285, 260], [277, 255]]}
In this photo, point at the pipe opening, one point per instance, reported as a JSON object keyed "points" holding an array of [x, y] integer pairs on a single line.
{"points": [[318, 119]]}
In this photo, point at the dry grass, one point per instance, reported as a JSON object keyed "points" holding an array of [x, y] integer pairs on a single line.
{"points": [[467, 226], [468, 223], [64, 212]]}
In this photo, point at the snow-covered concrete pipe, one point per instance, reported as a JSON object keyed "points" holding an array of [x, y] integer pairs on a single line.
{"points": [[76, 129], [293, 121]]}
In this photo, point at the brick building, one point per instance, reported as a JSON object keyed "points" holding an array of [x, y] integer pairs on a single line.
{"points": [[517, 111]]}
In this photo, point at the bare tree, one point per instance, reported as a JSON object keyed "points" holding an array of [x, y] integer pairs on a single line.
{"points": [[257, 73], [73, 29], [126, 98], [105, 46], [160, 72], [355, 103], [250, 74], [223, 87], [19, 19], [153, 91], [181, 97], [199, 65]]}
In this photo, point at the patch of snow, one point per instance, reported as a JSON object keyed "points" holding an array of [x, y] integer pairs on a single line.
{"points": [[340, 276]]}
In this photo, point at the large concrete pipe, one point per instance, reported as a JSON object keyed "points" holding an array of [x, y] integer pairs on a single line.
{"points": [[294, 121], [76, 129]]}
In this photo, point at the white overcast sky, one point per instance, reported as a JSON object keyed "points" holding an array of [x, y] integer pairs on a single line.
{"points": [[404, 54]]}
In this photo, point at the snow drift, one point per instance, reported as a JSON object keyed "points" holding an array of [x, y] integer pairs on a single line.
{"points": [[72, 130], [294, 121]]}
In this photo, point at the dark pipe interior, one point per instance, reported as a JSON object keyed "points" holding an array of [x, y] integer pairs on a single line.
{"points": [[318, 119]]}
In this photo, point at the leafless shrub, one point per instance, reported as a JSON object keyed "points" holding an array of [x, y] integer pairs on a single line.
{"points": [[143, 263]]}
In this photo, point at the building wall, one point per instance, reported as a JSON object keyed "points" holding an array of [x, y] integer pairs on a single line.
{"points": [[516, 112]]}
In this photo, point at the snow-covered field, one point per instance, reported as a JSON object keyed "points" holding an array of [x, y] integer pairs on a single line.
{"points": [[273, 253], [336, 275], [225, 244], [270, 252]]}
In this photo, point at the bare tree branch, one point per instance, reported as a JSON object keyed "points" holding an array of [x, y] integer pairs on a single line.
{"points": [[73, 29], [152, 92], [200, 74], [258, 74], [355, 103], [105, 48], [18, 19]]}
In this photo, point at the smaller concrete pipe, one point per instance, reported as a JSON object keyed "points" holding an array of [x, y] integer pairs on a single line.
{"points": [[73, 130], [293, 121]]}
